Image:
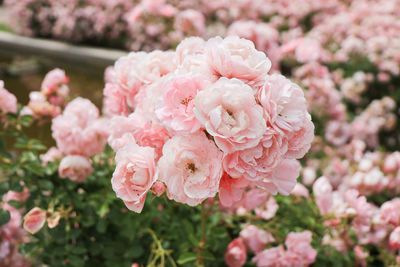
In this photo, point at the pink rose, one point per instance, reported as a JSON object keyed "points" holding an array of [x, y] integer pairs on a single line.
{"points": [[234, 57], [190, 22], [134, 175], [394, 239], [231, 189], [361, 256], [175, 110], [301, 191], [190, 168], [34, 220], [17, 196], [78, 131], [144, 132], [263, 35], [299, 248], [390, 211], [229, 112], [257, 162], [285, 110], [308, 50], [268, 209], [270, 257], [75, 167], [145, 69], [255, 239], [52, 81], [392, 162], [283, 178], [236, 255], [8, 102], [188, 47], [51, 155], [114, 102], [254, 198], [322, 190], [284, 104]]}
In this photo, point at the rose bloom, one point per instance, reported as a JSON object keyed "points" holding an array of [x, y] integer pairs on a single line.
{"points": [[34, 220], [75, 167], [257, 162], [394, 239], [190, 22], [268, 209], [175, 110], [322, 190], [231, 189], [234, 57], [190, 168], [114, 102], [145, 70], [51, 155], [255, 239], [270, 257], [299, 250], [52, 81], [283, 178], [8, 102], [188, 47], [285, 109], [144, 132], [390, 211], [229, 112], [134, 175], [301, 191], [236, 255], [78, 130]]}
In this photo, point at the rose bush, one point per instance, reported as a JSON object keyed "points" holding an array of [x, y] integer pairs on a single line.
{"points": [[225, 128]]}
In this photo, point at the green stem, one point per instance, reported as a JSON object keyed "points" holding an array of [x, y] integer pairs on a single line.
{"points": [[203, 224], [203, 235]]}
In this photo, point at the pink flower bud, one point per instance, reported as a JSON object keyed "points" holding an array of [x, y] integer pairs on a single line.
{"points": [[236, 254], [158, 188], [34, 220]]}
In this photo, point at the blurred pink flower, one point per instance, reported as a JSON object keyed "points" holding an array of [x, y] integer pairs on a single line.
{"points": [[236, 255], [75, 167], [8, 102], [255, 238]]}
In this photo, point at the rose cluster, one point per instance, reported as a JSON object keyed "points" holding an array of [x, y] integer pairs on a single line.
{"points": [[52, 97], [204, 119]]}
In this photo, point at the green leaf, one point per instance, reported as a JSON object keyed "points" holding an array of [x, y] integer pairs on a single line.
{"points": [[101, 226], [4, 217], [206, 255], [26, 120], [27, 247], [16, 204], [187, 257], [46, 185]]}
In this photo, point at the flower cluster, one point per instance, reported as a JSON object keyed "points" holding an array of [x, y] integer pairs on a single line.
{"points": [[11, 233], [49, 101], [207, 118], [79, 134]]}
